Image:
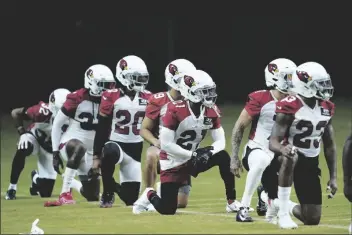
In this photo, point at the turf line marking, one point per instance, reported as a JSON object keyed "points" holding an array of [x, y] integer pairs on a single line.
{"points": [[255, 218]]}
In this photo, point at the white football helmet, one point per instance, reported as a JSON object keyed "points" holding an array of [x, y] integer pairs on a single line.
{"points": [[278, 74], [197, 86], [174, 68], [56, 99], [98, 78], [312, 80], [132, 72]]}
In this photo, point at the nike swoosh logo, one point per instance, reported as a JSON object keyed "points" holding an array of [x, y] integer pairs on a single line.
{"points": [[104, 98], [279, 107]]}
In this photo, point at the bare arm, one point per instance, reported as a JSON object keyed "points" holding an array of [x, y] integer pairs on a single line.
{"points": [[19, 116], [330, 150], [146, 131], [280, 128], [241, 124]]}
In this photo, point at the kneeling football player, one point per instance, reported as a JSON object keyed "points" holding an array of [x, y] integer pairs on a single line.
{"points": [[185, 125]]}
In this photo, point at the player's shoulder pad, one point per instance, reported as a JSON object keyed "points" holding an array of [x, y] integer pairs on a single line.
{"points": [[260, 95], [39, 112], [213, 112], [78, 96], [175, 105], [288, 105], [328, 108], [145, 94], [111, 94], [158, 99]]}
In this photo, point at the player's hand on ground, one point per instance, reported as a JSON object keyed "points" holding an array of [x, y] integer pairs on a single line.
{"points": [[57, 162], [289, 151], [236, 166], [94, 172], [24, 142], [332, 187]]}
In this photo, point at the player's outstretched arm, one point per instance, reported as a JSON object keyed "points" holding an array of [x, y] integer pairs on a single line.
{"points": [[241, 124], [19, 115], [330, 150], [280, 128], [146, 131], [218, 136]]}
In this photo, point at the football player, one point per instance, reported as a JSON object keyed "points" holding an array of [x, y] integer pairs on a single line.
{"points": [[260, 112], [184, 126], [347, 170], [117, 140], [150, 126], [36, 140], [75, 146], [304, 121]]}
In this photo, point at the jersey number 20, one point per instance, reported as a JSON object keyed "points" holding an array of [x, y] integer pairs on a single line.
{"points": [[121, 128]]}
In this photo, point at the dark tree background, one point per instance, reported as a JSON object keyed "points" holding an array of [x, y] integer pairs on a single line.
{"points": [[49, 46]]}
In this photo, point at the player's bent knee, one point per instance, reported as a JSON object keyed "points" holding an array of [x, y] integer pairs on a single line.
{"points": [[130, 192], [90, 188], [112, 152], [223, 157], [311, 214], [183, 194], [75, 151], [46, 187], [26, 151]]}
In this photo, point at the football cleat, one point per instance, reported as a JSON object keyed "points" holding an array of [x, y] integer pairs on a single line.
{"points": [[243, 215], [64, 199], [271, 213], [107, 199], [285, 222], [233, 207], [10, 194], [33, 190], [141, 205], [261, 207]]}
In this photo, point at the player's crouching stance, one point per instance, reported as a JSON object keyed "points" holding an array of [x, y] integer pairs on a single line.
{"points": [[305, 120], [347, 171], [185, 124], [150, 127], [36, 140], [260, 111], [117, 140], [75, 146]]}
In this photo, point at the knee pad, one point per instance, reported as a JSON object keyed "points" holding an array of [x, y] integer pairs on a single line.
{"points": [[45, 186], [75, 151], [185, 189], [27, 151], [90, 189], [112, 153], [129, 192]]}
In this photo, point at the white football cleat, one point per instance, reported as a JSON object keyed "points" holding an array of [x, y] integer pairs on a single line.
{"points": [[271, 213], [285, 221], [150, 208], [233, 207], [141, 205]]}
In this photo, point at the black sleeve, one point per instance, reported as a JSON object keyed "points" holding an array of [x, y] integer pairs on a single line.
{"points": [[101, 134]]}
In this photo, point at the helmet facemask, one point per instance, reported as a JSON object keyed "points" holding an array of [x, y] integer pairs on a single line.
{"points": [[323, 87], [207, 95], [284, 82], [97, 87], [137, 80]]}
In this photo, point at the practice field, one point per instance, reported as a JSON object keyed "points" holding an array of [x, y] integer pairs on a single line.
{"points": [[205, 213]]}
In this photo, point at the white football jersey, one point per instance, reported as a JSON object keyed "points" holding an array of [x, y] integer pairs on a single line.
{"points": [[127, 114], [308, 125], [83, 112], [261, 107], [189, 130]]}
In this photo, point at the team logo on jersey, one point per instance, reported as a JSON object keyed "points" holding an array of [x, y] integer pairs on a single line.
{"points": [[272, 68], [143, 102], [189, 81], [303, 76], [89, 73], [123, 64], [173, 69], [325, 112]]}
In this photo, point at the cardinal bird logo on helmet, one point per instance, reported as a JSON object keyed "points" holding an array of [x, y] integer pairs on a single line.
{"points": [[273, 68], [90, 73], [189, 81], [173, 69], [123, 64], [303, 76]]}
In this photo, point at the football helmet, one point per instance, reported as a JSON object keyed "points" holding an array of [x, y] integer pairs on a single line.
{"points": [[311, 80], [174, 68], [278, 74], [197, 86], [56, 99], [132, 72], [98, 78]]}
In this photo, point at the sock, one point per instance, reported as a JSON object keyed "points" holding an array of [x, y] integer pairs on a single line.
{"points": [[284, 194], [264, 197], [291, 206], [253, 179], [76, 185], [35, 177], [69, 175], [13, 186]]}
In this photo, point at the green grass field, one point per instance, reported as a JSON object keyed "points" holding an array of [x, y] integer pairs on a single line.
{"points": [[205, 213]]}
